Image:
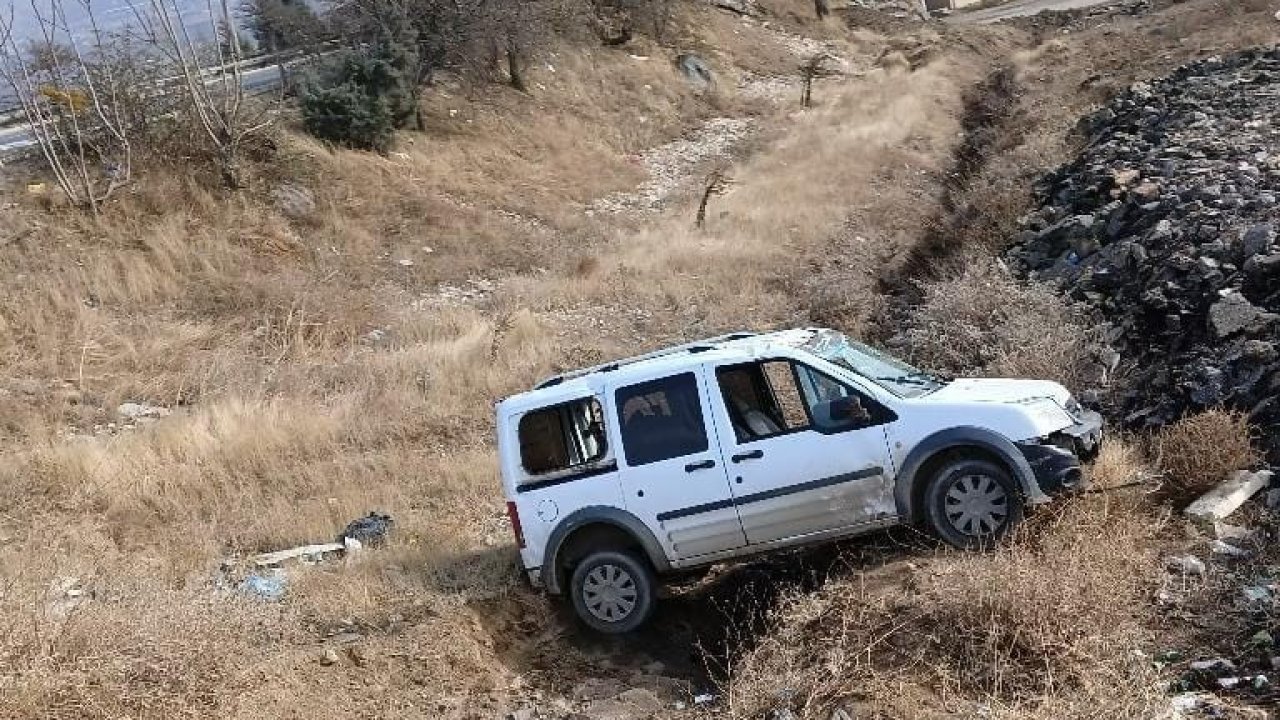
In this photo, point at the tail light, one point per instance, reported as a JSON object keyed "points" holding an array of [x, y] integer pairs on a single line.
{"points": [[514, 516]]}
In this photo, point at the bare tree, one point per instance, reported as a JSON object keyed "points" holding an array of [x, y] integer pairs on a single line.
{"points": [[213, 87], [71, 103], [717, 183], [814, 68]]}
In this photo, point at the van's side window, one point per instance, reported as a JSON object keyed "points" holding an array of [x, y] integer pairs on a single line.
{"points": [[661, 419], [562, 437]]}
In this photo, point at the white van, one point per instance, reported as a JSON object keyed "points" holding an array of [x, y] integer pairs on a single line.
{"points": [[746, 443]]}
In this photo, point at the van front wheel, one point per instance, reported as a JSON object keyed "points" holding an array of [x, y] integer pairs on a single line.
{"points": [[972, 503], [612, 591]]}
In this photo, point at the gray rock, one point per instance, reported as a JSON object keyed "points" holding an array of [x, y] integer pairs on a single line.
{"points": [[613, 710], [642, 699], [1259, 351], [696, 71], [134, 411], [1233, 314], [1257, 240], [741, 7], [294, 201], [1263, 266]]}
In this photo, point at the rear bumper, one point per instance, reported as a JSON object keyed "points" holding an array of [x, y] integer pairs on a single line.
{"points": [[1056, 461]]}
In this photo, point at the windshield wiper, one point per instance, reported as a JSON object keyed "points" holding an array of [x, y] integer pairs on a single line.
{"points": [[935, 377], [905, 380]]}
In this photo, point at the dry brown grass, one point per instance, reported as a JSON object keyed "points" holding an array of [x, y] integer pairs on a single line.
{"points": [[288, 422], [1049, 627], [986, 322], [1200, 451]]}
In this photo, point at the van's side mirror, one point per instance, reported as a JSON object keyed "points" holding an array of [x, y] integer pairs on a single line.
{"points": [[849, 409]]}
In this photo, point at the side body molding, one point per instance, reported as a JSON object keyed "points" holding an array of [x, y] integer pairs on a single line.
{"points": [[599, 515], [956, 437]]}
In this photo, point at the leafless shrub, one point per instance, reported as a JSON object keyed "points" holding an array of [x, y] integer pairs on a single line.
{"points": [[1199, 451], [211, 80], [72, 104], [986, 322], [814, 68], [617, 21]]}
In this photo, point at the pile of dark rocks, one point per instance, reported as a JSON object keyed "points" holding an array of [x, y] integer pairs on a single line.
{"points": [[1166, 224]]}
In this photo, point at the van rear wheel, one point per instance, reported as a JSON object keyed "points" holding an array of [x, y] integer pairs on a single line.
{"points": [[612, 591], [972, 503]]}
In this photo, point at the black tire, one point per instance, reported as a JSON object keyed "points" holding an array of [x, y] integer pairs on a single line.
{"points": [[613, 591], [971, 503]]}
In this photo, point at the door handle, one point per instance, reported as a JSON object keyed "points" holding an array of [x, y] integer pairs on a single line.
{"points": [[704, 465], [753, 455]]}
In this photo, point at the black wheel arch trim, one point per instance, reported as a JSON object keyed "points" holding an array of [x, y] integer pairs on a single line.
{"points": [[599, 515], [955, 438]]}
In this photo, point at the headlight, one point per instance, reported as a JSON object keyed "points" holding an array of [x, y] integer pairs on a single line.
{"points": [[1073, 408]]}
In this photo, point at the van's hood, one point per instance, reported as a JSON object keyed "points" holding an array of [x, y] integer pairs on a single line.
{"points": [[999, 390]]}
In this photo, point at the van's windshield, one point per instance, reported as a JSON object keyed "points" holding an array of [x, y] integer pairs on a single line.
{"points": [[887, 371]]}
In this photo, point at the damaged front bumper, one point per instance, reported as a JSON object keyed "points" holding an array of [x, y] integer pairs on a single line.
{"points": [[1056, 460]]}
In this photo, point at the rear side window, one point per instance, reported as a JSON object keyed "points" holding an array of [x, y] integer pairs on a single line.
{"points": [[562, 437], [661, 419]]}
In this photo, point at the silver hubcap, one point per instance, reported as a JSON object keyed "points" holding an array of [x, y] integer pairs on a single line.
{"points": [[977, 505], [610, 593]]}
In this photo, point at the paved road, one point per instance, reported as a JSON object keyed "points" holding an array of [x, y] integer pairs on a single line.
{"points": [[1018, 8]]}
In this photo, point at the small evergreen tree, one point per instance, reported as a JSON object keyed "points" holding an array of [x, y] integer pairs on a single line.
{"points": [[362, 101]]}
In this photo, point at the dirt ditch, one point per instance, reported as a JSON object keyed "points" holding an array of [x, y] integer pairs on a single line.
{"points": [[700, 629]]}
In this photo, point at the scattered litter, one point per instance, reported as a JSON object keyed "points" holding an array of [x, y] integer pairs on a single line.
{"points": [[704, 698], [268, 586], [305, 553], [65, 595], [1258, 594], [1214, 665], [1225, 548], [371, 530], [406, 262], [1228, 496], [351, 545], [1227, 683], [1224, 531], [1186, 564]]}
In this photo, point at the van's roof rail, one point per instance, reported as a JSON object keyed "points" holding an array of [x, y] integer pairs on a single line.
{"points": [[696, 346]]}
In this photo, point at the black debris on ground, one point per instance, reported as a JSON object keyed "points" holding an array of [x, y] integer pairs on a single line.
{"points": [[371, 529], [1166, 224]]}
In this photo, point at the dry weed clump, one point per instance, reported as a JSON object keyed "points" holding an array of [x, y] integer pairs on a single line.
{"points": [[1047, 627], [173, 653], [986, 322], [1199, 451]]}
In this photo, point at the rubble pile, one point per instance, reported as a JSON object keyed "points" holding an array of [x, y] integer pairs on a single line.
{"points": [[1166, 224]]}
